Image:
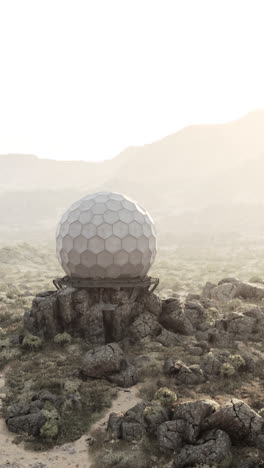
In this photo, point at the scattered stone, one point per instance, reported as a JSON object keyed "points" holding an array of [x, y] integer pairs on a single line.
{"points": [[191, 375]]}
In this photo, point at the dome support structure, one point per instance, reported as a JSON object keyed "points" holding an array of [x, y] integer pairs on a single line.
{"points": [[148, 283], [135, 286]]}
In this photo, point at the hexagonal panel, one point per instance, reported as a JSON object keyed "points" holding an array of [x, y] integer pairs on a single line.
{"points": [[75, 229], [85, 217], [89, 230], [80, 244], [97, 220], [67, 243], [102, 197], [74, 257], [73, 216], [135, 229], [98, 208], [86, 205], [137, 271], [74, 206], [130, 206], [82, 271], [63, 219], [142, 244], [129, 243], [105, 259], [153, 230], [64, 228], [121, 258], [64, 255], [140, 209], [105, 230], [135, 257], [113, 244], [96, 244], [116, 196], [111, 216], [97, 272], [125, 216], [152, 242], [147, 230], [120, 229], [113, 271], [114, 205], [146, 256], [88, 258], [128, 270], [139, 217]]}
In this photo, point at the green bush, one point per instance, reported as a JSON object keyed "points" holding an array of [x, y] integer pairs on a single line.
{"points": [[165, 396], [62, 339], [227, 370], [51, 427], [32, 342], [237, 361]]}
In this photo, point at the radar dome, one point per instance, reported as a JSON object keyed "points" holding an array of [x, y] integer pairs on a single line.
{"points": [[106, 235]]}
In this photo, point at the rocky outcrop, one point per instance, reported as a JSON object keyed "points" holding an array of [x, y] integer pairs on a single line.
{"points": [[99, 319], [194, 433], [229, 288]]}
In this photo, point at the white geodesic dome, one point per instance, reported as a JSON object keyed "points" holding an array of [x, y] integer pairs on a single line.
{"points": [[106, 235]]}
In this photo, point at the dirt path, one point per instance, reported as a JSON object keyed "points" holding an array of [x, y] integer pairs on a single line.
{"points": [[73, 455]]}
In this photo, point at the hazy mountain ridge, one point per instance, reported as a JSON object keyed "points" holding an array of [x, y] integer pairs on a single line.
{"points": [[197, 167]]}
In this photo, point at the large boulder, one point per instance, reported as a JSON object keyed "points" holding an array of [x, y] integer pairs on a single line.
{"points": [[25, 417], [133, 424], [153, 304], [240, 326], [169, 435], [103, 361], [237, 419], [43, 318], [174, 318], [193, 413], [146, 325], [154, 415]]}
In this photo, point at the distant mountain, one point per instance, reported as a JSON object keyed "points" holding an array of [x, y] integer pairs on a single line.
{"points": [[197, 167]]}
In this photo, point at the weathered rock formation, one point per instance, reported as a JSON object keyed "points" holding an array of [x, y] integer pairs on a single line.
{"points": [[195, 432]]}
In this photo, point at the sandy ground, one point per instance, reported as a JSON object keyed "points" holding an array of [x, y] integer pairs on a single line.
{"points": [[74, 454]]}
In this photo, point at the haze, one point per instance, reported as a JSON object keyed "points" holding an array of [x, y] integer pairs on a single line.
{"points": [[84, 80]]}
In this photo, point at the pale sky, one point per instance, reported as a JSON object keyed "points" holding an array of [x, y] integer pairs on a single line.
{"points": [[84, 79]]}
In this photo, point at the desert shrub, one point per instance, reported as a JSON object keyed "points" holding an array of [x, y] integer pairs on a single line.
{"points": [[62, 339], [71, 386], [237, 361], [165, 396], [32, 343], [50, 429], [7, 355], [227, 370]]}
